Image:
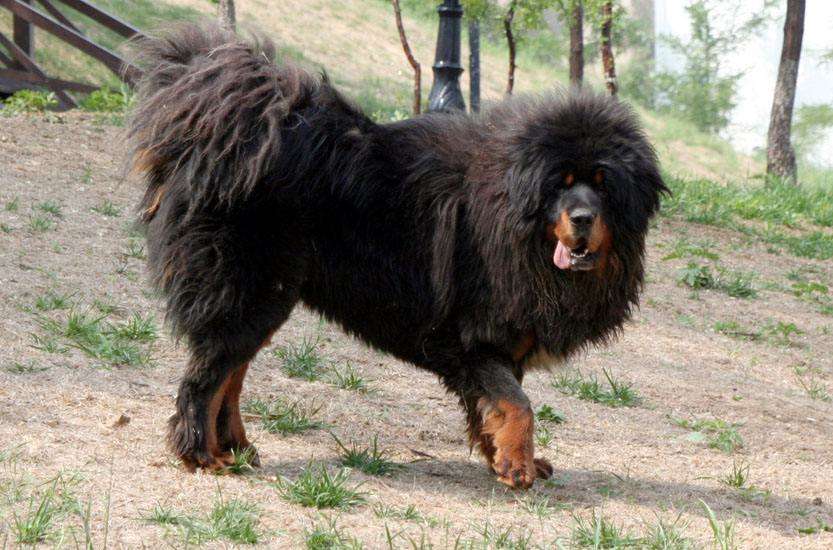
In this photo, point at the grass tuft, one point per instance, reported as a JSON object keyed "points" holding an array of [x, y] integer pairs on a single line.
{"points": [[302, 360], [349, 379], [317, 488], [718, 433], [329, 537], [723, 534], [618, 394], [598, 532], [370, 460], [280, 417], [107, 208]]}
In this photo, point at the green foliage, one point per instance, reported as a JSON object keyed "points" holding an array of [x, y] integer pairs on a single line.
{"points": [[619, 394], [370, 460], [547, 414], [317, 488], [28, 101], [723, 534], [718, 433], [302, 360], [701, 92], [107, 100], [597, 532], [280, 417], [809, 127]]}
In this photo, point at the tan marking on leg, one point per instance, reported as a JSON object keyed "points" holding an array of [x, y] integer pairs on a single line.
{"points": [[221, 458], [510, 428], [524, 346], [232, 403]]}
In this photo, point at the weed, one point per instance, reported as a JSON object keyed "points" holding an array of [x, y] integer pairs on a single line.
{"points": [[536, 504], [409, 513], [370, 460], [5, 228], [723, 534], [719, 434], [700, 277], [684, 248], [50, 207], [498, 538], [734, 329], [620, 394], [107, 208], [781, 333], [317, 488], [40, 224], [667, 536], [548, 414], [135, 250], [279, 417], [819, 527], [13, 205], [329, 537], [52, 301], [543, 436], [234, 520], [29, 101], [243, 462], [37, 525], [349, 379], [20, 368], [737, 477], [696, 276], [106, 100], [163, 516], [47, 344], [813, 388], [302, 360], [598, 532], [137, 329]]}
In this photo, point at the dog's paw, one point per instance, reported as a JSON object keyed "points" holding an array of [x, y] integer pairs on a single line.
{"points": [[515, 469]]}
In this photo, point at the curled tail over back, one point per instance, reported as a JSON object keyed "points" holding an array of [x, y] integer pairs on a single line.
{"points": [[209, 114]]}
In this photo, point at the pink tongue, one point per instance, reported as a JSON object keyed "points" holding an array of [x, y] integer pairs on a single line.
{"points": [[561, 256]]}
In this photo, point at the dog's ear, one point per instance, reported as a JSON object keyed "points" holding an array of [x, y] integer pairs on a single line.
{"points": [[524, 185]]}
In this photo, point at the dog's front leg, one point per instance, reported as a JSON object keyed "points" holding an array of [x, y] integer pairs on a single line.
{"points": [[501, 422]]}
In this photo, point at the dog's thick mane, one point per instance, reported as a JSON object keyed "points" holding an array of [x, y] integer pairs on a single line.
{"points": [[210, 128]]}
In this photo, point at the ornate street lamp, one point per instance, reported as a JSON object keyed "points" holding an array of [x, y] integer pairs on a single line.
{"points": [[445, 93]]}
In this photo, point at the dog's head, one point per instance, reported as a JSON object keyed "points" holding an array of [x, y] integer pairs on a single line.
{"points": [[584, 173]]}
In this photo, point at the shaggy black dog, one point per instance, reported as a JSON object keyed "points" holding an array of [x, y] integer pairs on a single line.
{"points": [[476, 247]]}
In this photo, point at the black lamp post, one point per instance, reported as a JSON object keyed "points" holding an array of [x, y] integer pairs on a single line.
{"points": [[445, 93]]}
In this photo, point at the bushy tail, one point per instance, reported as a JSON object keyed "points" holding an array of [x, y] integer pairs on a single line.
{"points": [[208, 116]]}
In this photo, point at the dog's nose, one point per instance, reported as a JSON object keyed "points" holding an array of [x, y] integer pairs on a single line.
{"points": [[581, 218]]}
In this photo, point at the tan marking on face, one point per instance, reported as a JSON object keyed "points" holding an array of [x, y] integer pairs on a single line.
{"points": [[599, 177], [569, 179], [564, 230]]}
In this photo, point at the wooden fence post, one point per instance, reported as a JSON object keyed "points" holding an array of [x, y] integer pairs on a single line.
{"points": [[24, 34]]}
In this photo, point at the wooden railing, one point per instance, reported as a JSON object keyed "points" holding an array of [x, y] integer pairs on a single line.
{"points": [[18, 69]]}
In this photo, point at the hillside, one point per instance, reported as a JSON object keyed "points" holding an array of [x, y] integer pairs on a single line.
{"points": [[356, 42]]}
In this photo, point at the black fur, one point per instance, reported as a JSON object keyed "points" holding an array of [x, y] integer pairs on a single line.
{"points": [[425, 238]]}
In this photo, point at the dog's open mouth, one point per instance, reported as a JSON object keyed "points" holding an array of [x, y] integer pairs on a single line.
{"points": [[578, 258]]}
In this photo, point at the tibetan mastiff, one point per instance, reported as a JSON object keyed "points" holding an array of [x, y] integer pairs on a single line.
{"points": [[477, 247]]}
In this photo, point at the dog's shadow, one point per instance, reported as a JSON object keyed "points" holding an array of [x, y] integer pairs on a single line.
{"points": [[471, 481]]}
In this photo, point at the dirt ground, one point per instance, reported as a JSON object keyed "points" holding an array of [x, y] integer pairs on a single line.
{"points": [[59, 411]]}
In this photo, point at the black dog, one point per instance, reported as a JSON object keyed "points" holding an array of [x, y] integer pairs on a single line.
{"points": [[476, 247]]}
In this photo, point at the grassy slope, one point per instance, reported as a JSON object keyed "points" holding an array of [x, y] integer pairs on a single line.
{"points": [[360, 50]]}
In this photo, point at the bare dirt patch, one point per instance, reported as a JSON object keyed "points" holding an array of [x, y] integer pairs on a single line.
{"points": [[63, 410]]}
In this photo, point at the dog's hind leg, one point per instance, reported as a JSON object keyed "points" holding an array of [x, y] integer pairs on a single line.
{"points": [[500, 420]]}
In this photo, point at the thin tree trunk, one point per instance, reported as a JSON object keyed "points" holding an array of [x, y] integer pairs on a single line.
{"points": [[577, 44], [780, 156], [474, 65], [417, 107], [225, 11], [607, 48], [510, 40]]}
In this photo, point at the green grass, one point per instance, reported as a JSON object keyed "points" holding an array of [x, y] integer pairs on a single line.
{"points": [[13, 205], [51, 300], [135, 250], [243, 462], [41, 224], [717, 433], [38, 523], [23, 368], [814, 389], [407, 513], [684, 248], [543, 436], [547, 414], [50, 207], [317, 488], [107, 208], [781, 333], [763, 211], [723, 534], [665, 535], [733, 329], [5, 228], [278, 416], [738, 479], [537, 504], [114, 344], [370, 460], [348, 378], [29, 101], [598, 532], [617, 394], [302, 360], [329, 537], [234, 520], [700, 277]]}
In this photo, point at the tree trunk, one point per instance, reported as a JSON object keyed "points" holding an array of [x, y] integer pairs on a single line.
{"points": [[474, 65], [607, 48], [510, 40], [780, 156], [225, 11], [417, 107], [577, 44]]}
